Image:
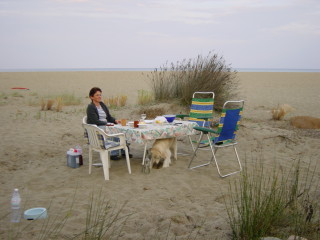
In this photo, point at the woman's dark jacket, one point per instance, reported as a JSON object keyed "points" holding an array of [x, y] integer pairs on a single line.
{"points": [[93, 115]]}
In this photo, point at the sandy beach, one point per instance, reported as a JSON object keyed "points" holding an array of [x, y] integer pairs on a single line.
{"points": [[34, 145]]}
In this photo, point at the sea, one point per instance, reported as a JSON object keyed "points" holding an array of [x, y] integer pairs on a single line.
{"points": [[145, 69]]}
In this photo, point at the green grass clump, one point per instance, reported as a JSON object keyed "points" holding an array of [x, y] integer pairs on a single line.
{"points": [[17, 94], [274, 203], [69, 99], [203, 74], [145, 97], [115, 102], [3, 95]]}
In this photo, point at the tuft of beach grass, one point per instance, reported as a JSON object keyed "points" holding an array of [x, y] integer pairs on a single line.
{"points": [[145, 97], [279, 112], [274, 203]]}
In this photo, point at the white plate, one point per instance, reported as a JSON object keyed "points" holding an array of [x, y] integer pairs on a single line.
{"points": [[148, 121]]}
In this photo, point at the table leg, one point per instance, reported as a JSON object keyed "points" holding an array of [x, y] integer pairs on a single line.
{"points": [[144, 153]]}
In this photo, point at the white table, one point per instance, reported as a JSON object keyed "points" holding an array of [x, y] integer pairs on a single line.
{"points": [[153, 132]]}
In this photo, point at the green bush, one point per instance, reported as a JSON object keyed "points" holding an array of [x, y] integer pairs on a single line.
{"points": [[275, 203], [144, 97], [203, 74]]}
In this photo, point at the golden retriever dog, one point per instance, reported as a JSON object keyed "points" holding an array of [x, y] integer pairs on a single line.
{"points": [[161, 152], [305, 122]]}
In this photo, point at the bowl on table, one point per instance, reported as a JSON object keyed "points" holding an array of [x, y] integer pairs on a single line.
{"points": [[170, 118]]}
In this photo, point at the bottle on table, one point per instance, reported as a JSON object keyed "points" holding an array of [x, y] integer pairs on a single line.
{"points": [[15, 206]]}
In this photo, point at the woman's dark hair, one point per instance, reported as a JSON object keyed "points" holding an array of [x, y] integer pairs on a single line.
{"points": [[93, 91]]}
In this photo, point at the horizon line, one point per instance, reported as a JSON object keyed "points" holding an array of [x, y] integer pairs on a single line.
{"points": [[151, 69]]}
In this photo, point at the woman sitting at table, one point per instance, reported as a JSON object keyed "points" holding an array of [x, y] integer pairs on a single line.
{"points": [[98, 114]]}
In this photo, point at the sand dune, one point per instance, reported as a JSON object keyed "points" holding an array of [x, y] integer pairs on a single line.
{"points": [[34, 144]]}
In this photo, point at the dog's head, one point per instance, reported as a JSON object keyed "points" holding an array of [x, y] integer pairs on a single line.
{"points": [[156, 158]]}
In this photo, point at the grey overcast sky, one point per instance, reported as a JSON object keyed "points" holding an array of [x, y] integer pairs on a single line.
{"points": [[148, 33]]}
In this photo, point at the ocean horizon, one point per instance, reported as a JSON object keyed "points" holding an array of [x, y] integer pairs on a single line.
{"points": [[147, 69]]}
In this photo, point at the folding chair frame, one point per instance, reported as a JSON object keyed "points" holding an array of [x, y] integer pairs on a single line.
{"points": [[203, 118], [214, 146]]}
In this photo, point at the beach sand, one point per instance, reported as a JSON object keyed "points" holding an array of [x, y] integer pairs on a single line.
{"points": [[175, 200]]}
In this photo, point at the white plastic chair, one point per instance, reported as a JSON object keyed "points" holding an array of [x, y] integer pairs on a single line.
{"points": [[84, 120], [101, 142]]}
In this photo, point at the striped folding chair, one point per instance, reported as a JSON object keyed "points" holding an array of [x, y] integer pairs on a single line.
{"points": [[224, 136], [201, 112]]}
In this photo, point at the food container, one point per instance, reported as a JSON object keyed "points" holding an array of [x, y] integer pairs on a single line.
{"points": [[73, 159], [160, 120], [35, 213]]}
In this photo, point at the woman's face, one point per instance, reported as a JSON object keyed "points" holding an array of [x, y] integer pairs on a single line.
{"points": [[96, 98]]}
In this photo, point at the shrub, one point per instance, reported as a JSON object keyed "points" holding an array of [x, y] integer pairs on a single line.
{"points": [[47, 103], [122, 100], [279, 112], [69, 99], [50, 103], [203, 74], [277, 203], [152, 112], [3, 95], [59, 101], [115, 102], [144, 97]]}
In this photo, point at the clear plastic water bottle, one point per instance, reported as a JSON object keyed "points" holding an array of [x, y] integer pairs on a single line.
{"points": [[15, 206]]}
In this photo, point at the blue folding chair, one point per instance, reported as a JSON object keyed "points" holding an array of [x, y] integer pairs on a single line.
{"points": [[224, 136]]}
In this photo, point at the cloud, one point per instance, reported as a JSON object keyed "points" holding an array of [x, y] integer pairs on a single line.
{"points": [[296, 28]]}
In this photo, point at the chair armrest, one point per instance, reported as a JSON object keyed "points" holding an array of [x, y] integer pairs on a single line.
{"points": [[205, 130], [121, 136], [205, 117], [115, 135], [182, 116]]}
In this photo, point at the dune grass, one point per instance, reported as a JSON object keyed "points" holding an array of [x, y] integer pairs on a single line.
{"points": [[279, 112], [17, 94], [3, 95], [145, 97], [56, 102], [104, 220], [152, 112], [274, 203], [114, 102], [203, 74]]}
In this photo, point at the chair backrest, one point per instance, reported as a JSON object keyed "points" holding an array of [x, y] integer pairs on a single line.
{"points": [[201, 110], [84, 120], [229, 121], [95, 136]]}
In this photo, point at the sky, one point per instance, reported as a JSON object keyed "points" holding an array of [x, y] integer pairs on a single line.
{"points": [[39, 34]]}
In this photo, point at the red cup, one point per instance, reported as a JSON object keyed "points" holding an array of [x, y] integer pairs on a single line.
{"points": [[135, 124]]}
